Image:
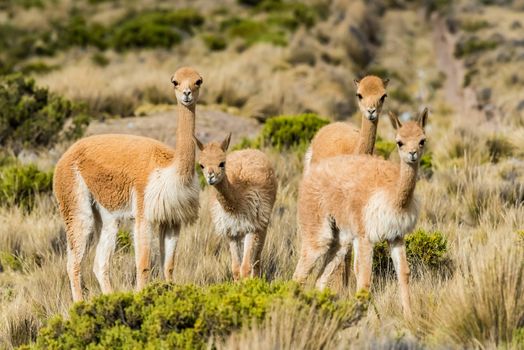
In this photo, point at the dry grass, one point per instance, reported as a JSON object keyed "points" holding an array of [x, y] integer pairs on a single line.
{"points": [[475, 200]]}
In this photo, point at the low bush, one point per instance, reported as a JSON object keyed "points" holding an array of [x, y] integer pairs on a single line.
{"points": [[290, 131], [214, 42], [472, 25], [31, 116], [473, 45], [166, 316], [384, 148], [498, 148], [424, 249], [252, 31], [20, 185], [155, 28]]}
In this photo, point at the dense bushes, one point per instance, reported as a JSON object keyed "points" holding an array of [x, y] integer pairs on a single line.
{"points": [[31, 116], [285, 132], [165, 316], [473, 45], [424, 250], [20, 184]]}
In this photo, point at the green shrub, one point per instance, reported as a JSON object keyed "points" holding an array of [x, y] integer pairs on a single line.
{"points": [[9, 261], [166, 316], [31, 116], [289, 14], [289, 131], [472, 25], [473, 45], [426, 249], [77, 32], [401, 96], [384, 148], [155, 28], [214, 42], [249, 2], [124, 240], [252, 31], [20, 184]]}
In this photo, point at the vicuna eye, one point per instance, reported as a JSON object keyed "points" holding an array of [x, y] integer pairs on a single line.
{"points": [[359, 96], [422, 143], [175, 83], [400, 143], [383, 98], [201, 166], [222, 164], [198, 82]]}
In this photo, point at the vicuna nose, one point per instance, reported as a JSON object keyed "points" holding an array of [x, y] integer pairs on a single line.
{"points": [[187, 92], [413, 154], [371, 110]]}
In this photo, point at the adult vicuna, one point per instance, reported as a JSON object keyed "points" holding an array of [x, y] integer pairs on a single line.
{"points": [[363, 199], [101, 180], [342, 138], [244, 193]]}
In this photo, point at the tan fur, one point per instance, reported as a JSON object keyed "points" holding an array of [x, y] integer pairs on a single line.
{"points": [[245, 192], [103, 179], [365, 198], [343, 138]]}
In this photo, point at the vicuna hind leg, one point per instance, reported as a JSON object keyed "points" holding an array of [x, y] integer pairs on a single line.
{"points": [[104, 250], [336, 259], [316, 241], [365, 263], [398, 254], [168, 240]]}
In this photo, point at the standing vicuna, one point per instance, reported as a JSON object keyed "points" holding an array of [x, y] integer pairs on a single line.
{"points": [[363, 199], [343, 138], [101, 180], [245, 191]]}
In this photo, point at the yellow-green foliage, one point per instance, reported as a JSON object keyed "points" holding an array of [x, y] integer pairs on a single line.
{"points": [[31, 116], [384, 148], [253, 31], [124, 241], [20, 184], [166, 316], [423, 249], [286, 132], [473, 45], [472, 25]]}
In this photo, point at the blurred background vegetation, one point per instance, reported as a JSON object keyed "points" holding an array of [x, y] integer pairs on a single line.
{"points": [[275, 71]]}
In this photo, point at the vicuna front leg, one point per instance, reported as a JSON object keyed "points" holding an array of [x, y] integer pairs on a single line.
{"points": [[76, 245], [143, 236], [234, 247], [104, 251], [365, 263], [398, 254], [168, 240], [253, 244]]}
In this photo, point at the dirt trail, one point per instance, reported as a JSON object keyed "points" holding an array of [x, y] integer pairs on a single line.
{"points": [[463, 100]]}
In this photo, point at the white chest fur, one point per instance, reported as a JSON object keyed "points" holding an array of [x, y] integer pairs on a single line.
{"points": [[383, 222], [168, 199]]}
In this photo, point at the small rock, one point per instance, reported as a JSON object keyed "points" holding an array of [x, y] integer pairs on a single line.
{"points": [[503, 57], [520, 106], [516, 25]]}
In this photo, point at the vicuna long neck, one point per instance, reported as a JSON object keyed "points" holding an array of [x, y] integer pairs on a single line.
{"points": [[185, 147], [406, 185], [368, 134], [225, 195]]}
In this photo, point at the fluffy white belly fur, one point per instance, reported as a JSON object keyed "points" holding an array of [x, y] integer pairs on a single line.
{"points": [[382, 222]]}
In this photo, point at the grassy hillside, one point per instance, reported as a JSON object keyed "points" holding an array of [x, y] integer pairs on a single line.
{"points": [[101, 62]]}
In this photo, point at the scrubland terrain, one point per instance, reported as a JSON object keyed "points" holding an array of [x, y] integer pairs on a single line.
{"points": [[108, 64]]}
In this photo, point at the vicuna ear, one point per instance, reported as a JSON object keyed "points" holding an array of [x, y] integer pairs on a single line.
{"points": [[225, 143], [198, 143], [423, 118], [394, 120], [385, 81], [356, 81]]}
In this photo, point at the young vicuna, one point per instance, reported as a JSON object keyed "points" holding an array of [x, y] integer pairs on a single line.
{"points": [[363, 199], [103, 179], [244, 195], [343, 138]]}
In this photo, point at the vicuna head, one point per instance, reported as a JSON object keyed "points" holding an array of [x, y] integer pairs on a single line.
{"points": [[411, 137], [371, 94], [212, 159], [187, 84]]}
